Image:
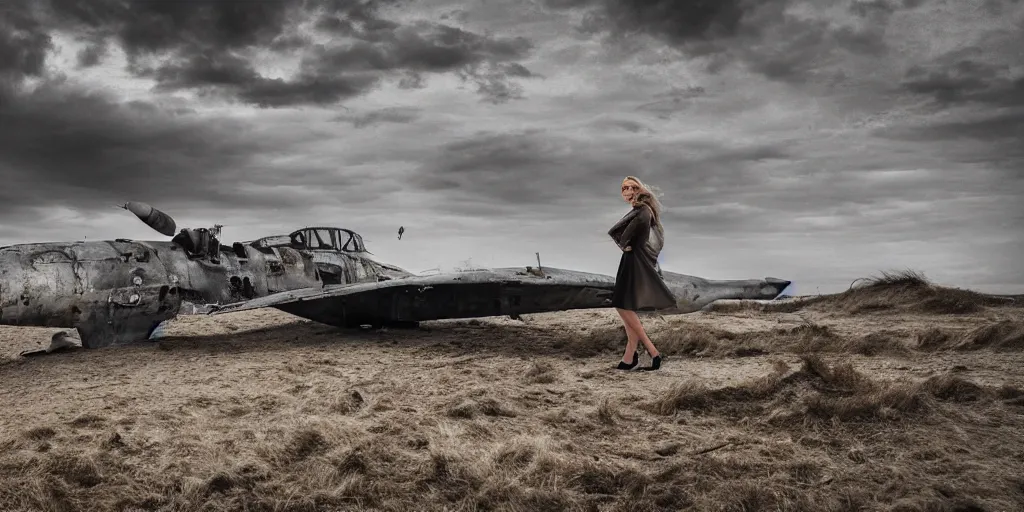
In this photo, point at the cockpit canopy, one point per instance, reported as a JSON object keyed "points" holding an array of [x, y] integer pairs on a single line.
{"points": [[327, 239]]}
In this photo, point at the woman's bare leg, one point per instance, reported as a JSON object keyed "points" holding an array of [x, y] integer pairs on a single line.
{"points": [[631, 340], [632, 322]]}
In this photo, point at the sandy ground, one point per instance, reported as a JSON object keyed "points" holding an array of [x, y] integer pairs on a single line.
{"points": [[813, 409]]}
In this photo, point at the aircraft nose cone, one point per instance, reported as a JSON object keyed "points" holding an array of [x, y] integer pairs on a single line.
{"points": [[779, 285], [782, 285]]}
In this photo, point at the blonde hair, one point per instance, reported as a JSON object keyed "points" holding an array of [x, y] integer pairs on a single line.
{"points": [[647, 195]]}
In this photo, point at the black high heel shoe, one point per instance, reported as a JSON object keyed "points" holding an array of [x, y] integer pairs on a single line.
{"points": [[655, 364], [623, 366]]}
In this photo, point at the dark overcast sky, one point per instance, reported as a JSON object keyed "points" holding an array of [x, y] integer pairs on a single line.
{"points": [[818, 141]]}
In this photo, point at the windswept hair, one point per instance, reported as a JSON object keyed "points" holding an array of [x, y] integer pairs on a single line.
{"points": [[649, 196]]}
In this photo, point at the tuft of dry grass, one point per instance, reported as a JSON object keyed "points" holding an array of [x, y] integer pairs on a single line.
{"points": [[844, 394], [908, 278], [697, 340], [595, 340], [1001, 335], [541, 372], [819, 392], [934, 338], [735, 401], [606, 413], [468, 409], [878, 343], [683, 338]]}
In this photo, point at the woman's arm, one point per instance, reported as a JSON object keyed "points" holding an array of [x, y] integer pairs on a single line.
{"points": [[641, 220], [616, 231]]}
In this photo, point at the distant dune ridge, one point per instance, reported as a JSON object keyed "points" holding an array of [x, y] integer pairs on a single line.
{"points": [[896, 394]]}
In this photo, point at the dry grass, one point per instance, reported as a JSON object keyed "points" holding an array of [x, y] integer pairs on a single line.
{"points": [[817, 410], [818, 392], [911, 292], [894, 292], [1003, 335], [684, 338]]}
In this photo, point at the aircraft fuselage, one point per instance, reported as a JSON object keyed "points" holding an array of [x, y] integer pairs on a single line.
{"points": [[118, 291]]}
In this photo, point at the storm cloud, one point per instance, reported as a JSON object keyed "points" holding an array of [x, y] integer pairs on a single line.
{"points": [[212, 47], [784, 40], [86, 147], [957, 79], [819, 142], [23, 43], [384, 115]]}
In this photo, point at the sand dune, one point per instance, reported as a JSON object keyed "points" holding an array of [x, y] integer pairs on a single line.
{"points": [[897, 395]]}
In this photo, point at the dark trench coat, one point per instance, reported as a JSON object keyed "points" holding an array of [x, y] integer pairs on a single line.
{"points": [[638, 282]]}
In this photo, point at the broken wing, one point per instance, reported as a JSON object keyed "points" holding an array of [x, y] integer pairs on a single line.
{"points": [[494, 292]]}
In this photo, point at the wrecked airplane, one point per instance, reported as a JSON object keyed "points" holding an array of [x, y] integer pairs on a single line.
{"points": [[115, 292], [120, 291]]}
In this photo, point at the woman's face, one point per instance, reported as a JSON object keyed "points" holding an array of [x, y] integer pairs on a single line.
{"points": [[629, 189]]}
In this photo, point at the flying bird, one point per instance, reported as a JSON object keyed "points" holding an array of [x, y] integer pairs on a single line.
{"points": [[401, 229]]}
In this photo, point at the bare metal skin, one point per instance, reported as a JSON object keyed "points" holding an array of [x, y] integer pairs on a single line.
{"points": [[117, 292]]}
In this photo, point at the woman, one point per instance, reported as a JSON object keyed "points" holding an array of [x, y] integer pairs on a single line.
{"points": [[638, 282]]}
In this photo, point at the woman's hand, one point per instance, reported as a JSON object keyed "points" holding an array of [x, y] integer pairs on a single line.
{"points": [[628, 248]]}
